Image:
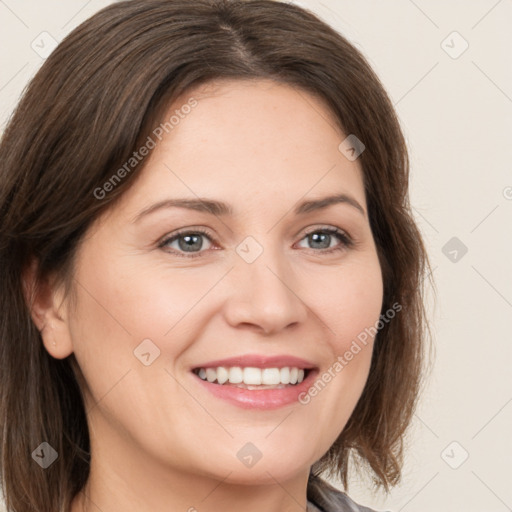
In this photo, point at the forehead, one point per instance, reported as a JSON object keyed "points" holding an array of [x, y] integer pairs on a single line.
{"points": [[250, 143]]}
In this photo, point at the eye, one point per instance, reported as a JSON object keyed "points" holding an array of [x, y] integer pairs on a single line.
{"points": [[190, 242], [322, 238]]}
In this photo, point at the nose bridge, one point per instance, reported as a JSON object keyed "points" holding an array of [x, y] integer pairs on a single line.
{"points": [[264, 287]]}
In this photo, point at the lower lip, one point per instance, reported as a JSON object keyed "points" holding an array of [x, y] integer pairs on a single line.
{"points": [[260, 398]]}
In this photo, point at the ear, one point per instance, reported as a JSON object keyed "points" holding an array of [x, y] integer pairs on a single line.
{"points": [[49, 311]]}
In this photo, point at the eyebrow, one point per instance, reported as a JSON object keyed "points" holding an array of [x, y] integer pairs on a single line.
{"points": [[219, 208]]}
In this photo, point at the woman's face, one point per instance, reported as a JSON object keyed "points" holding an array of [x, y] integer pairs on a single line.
{"points": [[269, 287]]}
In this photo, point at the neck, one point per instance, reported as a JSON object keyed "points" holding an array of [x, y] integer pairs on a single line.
{"points": [[115, 491], [133, 481]]}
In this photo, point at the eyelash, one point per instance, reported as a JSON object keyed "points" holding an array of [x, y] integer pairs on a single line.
{"points": [[346, 241]]}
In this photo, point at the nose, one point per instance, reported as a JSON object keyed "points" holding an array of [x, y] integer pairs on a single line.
{"points": [[264, 295]]}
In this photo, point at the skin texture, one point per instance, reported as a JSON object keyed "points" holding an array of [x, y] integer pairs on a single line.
{"points": [[159, 440]]}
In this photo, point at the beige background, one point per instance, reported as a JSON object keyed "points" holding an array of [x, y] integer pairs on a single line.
{"points": [[456, 111]]}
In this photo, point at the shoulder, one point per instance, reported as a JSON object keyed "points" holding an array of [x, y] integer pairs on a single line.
{"points": [[329, 499]]}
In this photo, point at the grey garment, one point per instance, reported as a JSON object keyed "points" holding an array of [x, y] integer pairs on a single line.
{"points": [[323, 497], [312, 507]]}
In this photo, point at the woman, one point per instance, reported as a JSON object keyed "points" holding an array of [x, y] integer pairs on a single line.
{"points": [[211, 278]]}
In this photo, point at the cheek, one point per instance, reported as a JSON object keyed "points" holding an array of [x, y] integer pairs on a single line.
{"points": [[360, 302], [350, 310], [126, 300], [353, 301], [119, 306]]}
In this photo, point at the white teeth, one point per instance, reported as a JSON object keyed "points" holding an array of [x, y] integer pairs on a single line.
{"points": [[236, 375], [253, 376], [271, 376], [222, 375]]}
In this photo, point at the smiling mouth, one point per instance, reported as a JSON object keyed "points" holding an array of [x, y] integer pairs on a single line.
{"points": [[252, 377]]}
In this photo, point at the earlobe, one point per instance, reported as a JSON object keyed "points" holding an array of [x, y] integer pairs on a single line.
{"points": [[47, 305], [56, 339]]}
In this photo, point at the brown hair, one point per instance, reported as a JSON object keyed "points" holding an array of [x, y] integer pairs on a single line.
{"points": [[91, 105]]}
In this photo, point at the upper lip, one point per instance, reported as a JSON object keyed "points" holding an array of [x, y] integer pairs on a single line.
{"points": [[259, 361]]}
